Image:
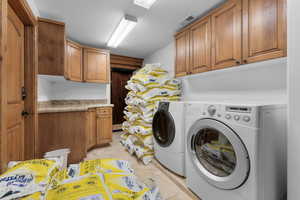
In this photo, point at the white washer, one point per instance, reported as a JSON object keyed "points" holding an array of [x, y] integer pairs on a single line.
{"points": [[169, 138], [236, 151]]}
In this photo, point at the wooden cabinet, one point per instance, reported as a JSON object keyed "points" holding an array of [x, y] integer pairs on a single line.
{"points": [[264, 30], [104, 125], [182, 54], [200, 46], [63, 130], [51, 47], [96, 65], [91, 129], [99, 130], [74, 62], [227, 35], [85, 64], [237, 32], [66, 58]]}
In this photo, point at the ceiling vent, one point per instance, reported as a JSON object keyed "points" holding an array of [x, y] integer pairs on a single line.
{"points": [[187, 21]]}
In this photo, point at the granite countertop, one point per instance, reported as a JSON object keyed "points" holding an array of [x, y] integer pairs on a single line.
{"points": [[70, 105]]}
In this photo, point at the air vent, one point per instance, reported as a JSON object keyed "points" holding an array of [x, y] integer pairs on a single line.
{"points": [[187, 21]]}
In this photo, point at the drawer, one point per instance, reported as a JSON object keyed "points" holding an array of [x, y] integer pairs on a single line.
{"points": [[104, 111]]}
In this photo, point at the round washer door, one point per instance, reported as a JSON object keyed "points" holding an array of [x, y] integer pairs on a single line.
{"points": [[163, 128], [218, 154]]}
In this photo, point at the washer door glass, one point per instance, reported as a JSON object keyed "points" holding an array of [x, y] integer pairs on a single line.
{"points": [[215, 152], [218, 154], [163, 128]]}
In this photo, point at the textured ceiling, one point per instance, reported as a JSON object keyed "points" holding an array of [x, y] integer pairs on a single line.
{"points": [[92, 22]]}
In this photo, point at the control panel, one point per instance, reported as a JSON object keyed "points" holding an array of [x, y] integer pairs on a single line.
{"points": [[239, 114]]}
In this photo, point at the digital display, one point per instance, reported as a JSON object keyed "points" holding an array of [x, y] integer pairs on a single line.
{"points": [[238, 109]]}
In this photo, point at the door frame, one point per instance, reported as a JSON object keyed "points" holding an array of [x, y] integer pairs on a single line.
{"points": [[24, 12]]}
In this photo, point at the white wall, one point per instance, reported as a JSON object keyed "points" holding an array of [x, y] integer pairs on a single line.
{"points": [[57, 88], [263, 81], [294, 99], [33, 7], [164, 56]]}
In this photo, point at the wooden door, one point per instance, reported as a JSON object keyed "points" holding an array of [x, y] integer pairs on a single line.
{"points": [[51, 47], [15, 83], [227, 35], [74, 62], [200, 46], [91, 129], [118, 93], [182, 54], [104, 125], [264, 30], [63, 130], [96, 66]]}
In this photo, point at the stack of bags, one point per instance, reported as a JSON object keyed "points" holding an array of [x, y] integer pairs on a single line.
{"points": [[102, 179], [147, 86]]}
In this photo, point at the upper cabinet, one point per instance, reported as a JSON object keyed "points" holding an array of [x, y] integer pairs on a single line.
{"points": [[58, 56], [227, 35], [51, 47], [182, 54], [200, 46], [74, 62], [96, 65], [264, 30], [237, 32]]}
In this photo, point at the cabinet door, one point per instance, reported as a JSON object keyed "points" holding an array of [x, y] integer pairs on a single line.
{"points": [[74, 69], [104, 129], [91, 129], [200, 46], [51, 47], [227, 35], [264, 30], [182, 54], [104, 125], [96, 66]]}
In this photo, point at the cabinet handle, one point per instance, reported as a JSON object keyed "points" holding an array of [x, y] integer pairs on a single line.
{"points": [[237, 62], [245, 61]]}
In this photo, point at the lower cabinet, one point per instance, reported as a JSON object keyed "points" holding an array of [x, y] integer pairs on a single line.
{"points": [[99, 129], [78, 130], [62, 130]]}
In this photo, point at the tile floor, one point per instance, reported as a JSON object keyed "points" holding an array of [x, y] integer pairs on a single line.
{"points": [[172, 187]]}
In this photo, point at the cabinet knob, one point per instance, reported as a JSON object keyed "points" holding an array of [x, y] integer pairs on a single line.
{"points": [[237, 62], [245, 61]]}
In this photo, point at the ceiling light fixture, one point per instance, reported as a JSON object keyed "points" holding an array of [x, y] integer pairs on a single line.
{"points": [[124, 28], [145, 3]]}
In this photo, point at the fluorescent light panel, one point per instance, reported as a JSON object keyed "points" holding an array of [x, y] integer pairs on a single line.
{"points": [[145, 3], [124, 28]]}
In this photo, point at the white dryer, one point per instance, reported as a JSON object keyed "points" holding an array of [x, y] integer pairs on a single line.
{"points": [[169, 138], [236, 151]]}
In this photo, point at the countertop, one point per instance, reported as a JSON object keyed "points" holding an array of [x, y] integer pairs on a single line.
{"points": [[55, 106]]}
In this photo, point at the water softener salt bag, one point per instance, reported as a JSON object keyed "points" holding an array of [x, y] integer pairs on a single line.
{"points": [[26, 178]]}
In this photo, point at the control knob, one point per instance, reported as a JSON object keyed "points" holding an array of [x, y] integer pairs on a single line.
{"points": [[211, 110]]}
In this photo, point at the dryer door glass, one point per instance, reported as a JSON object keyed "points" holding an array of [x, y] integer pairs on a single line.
{"points": [[163, 128], [215, 152], [218, 154]]}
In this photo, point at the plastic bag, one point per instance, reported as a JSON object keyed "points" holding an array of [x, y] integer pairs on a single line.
{"points": [[35, 196], [28, 177], [124, 183], [101, 166], [89, 187]]}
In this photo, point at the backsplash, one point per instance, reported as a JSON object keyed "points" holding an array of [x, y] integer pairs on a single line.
{"points": [[57, 88]]}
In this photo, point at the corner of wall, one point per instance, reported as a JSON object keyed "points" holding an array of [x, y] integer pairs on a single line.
{"points": [[33, 7]]}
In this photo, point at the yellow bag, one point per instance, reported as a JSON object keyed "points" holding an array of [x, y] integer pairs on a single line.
{"points": [[59, 177], [85, 187], [28, 177], [35, 196], [122, 183], [101, 166]]}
